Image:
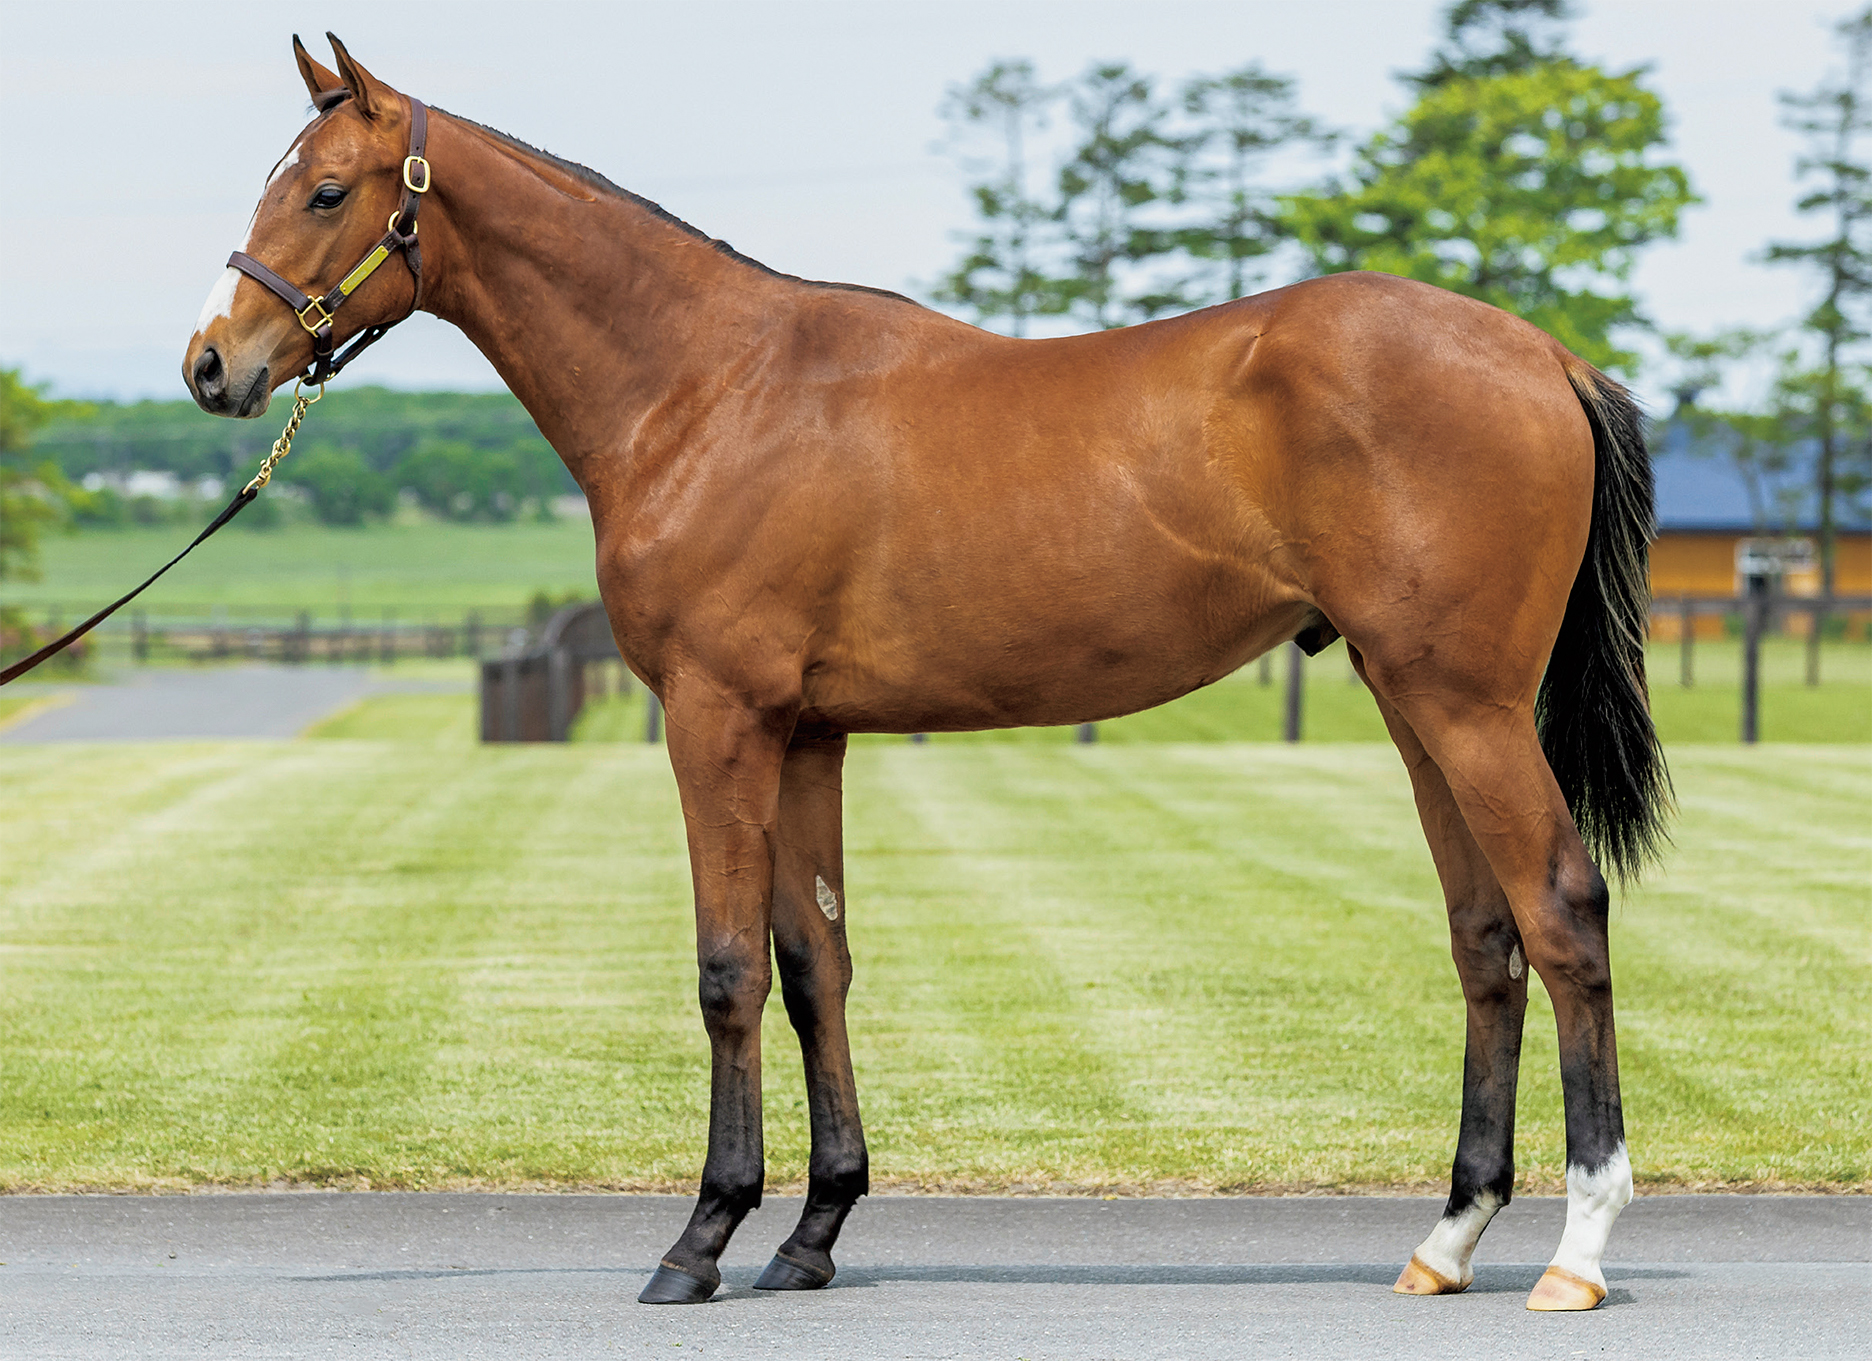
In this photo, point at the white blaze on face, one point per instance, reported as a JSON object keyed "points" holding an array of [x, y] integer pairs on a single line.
{"points": [[828, 900], [287, 162], [220, 299], [1594, 1198], [1453, 1241]]}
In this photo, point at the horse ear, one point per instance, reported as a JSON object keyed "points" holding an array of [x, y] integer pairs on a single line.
{"points": [[319, 81], [369, 93]]}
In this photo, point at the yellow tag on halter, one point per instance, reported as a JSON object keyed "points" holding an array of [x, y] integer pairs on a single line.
{"points": [[363, 271]]}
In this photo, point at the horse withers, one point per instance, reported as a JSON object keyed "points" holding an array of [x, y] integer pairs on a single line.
{"points": [[822, 509]]}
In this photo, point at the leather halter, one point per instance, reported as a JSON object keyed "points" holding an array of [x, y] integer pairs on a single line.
{"points": [[315, 314]]}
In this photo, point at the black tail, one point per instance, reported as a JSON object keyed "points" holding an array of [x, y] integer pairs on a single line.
{"points": [[1594, 712]]}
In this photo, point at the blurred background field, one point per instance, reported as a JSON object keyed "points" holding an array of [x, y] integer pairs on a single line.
{"points": [[410, 567]]}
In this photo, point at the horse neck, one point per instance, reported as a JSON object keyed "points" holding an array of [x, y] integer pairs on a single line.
{"points": [[592, 307]]}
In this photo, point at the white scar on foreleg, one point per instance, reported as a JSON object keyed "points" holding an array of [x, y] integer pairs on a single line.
{"points": [[1594, 1198], [1453, 1241], [220, 299], [828, 900]]}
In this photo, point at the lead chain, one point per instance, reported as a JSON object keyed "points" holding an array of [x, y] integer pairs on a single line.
{"points": [[283, 445]]}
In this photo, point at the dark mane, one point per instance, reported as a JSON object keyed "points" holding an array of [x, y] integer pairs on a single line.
{"points": [[587, 175]]}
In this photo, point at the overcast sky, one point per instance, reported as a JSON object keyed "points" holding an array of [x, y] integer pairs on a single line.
{"points": [[137, 135]]}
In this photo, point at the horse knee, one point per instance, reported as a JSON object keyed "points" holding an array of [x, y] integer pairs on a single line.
{"points": [[733, 987]]}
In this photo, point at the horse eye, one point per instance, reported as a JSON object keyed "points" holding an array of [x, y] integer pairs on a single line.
{"points": [[328, 197]]}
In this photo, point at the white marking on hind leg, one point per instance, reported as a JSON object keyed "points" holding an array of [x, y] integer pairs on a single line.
{"points": [[1453, 1241], [828, 900], [1594, 1198], [220, 299]]}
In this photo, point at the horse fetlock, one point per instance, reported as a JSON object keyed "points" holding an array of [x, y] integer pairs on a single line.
{"points": [[1440, 1266], [1595, 1195], [839, 1179], [1481, 1173]]}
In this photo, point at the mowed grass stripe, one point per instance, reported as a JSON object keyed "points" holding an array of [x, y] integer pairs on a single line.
{"points": [[982, 928], [340, 961], [1178, 953], [1746, 988]]}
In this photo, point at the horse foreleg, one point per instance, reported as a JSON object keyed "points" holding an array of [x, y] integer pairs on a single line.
{"points": [[727, 764], [1493, 969], [815, 974]]}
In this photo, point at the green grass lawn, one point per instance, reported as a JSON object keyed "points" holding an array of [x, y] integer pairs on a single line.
{"points": [[426, 963]]}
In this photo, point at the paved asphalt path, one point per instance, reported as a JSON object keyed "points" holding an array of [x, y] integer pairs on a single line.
{"points": [[518, 1276], [222, 701]]}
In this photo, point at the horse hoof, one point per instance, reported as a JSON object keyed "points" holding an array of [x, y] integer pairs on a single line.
{"points": [[783, 1273], [1418, 1279], [671, 1286], [1559, 1290]]}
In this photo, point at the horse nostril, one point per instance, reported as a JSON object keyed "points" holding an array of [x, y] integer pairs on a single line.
{"points": [[210, 375]]}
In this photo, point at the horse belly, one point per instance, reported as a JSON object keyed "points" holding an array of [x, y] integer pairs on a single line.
{"points": [[1070, 639]]}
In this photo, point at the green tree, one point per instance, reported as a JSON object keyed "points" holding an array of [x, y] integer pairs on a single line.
{"points": [[33, 494], [1521, 176], [1483, 38], [1124, 161], [344, 489], [460, 482], [1003, 275], [1834, 119], [1236, 121]]}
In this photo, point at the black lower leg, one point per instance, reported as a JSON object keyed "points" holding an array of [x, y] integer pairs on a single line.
{"points": [[734, 1170], [1494, 974], [840, 1170]]}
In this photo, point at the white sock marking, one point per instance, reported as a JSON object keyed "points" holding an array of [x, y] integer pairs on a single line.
{"points": [[1453, 1241], [828, 900], [220, 299], [1594, 1198]]}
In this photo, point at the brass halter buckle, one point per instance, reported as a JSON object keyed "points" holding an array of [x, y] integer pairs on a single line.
{"points": [[324, 318], [409, 163]]}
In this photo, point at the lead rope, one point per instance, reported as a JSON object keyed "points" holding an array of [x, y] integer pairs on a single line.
{"points": [[281, 447]]}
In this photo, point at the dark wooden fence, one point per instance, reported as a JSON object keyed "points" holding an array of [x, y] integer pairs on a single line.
{"points": [[534, 692]]}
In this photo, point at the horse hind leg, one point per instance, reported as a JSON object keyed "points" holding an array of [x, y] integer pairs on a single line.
{"points": [[1498, 777], [815, 975], [1492, 968]]}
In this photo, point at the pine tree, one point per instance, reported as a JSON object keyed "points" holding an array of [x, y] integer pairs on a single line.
{"points": [[1123, 162], [1003, 274], [1834, 118], [1237, 121]]}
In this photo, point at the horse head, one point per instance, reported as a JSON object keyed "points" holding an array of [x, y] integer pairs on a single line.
{"points": [[324, 208]]}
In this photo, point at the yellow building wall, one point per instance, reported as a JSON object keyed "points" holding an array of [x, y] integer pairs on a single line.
{"points": [[1702, 563]]}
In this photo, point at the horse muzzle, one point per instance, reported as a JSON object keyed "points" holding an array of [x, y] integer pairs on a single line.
{"points": [[220, 389]]}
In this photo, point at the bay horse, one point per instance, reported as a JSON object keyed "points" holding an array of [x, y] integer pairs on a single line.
{"points": [[822, 509]]}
